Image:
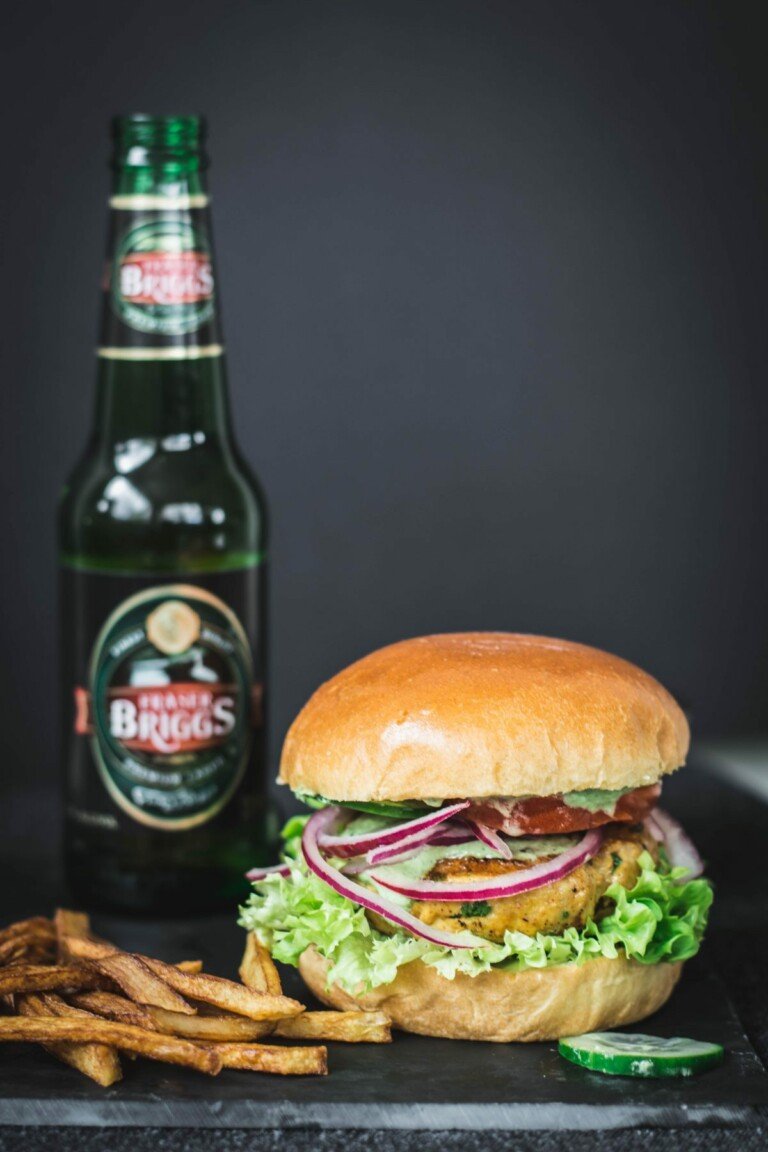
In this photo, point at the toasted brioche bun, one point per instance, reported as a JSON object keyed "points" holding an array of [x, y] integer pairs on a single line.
{"points": [[483, 714], [532, 1005]]}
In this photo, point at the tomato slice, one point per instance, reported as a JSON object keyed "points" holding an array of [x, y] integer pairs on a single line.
{"points": [[550, 815]]}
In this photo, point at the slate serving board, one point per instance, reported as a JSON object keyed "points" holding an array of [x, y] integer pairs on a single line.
{"points": [[415, 1083]]}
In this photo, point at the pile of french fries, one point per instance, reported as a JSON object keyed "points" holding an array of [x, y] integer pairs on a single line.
{"points": [[86, 1001]]}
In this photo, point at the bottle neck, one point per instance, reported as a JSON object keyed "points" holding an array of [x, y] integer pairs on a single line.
{"points": [[161, 355]]}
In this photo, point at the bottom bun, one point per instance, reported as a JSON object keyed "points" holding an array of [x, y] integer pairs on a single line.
{"points": [[537, 1004]]}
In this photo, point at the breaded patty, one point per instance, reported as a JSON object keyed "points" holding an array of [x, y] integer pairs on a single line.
{"points": [[564, 903]]}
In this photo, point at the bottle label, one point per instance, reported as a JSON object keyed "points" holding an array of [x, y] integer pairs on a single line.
{"points": [[169, 697], [159, 286], [162, 278]]}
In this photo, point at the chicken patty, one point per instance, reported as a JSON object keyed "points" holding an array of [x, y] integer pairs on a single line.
{"points": [[564, 903]]}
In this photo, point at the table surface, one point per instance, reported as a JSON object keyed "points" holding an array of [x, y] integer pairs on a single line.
{"points": [[432, 1086]]}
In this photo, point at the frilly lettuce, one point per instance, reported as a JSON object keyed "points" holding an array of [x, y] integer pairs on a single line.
{"points": [[662, 918]]}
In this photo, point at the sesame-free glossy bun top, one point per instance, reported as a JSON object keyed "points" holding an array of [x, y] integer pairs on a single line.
{"points": [[483, 714]]}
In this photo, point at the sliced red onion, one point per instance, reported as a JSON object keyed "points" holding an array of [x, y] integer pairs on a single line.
{"points": [[651, 825], [257, 874], [679, 847], [490, 838], [406, 844], [394, 855], [536, 877], [310, 846], [355, 867], [406, 849], [366, 841], [450, 834]]}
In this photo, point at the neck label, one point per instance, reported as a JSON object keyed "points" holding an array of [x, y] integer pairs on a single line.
{"points": [[160, 287], [162, 278]]}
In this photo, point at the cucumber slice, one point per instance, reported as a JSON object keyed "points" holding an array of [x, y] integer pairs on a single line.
{"points": [[628, 1054]]}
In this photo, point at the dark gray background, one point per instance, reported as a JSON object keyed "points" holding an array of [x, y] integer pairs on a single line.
{"points": [[494, 291]]}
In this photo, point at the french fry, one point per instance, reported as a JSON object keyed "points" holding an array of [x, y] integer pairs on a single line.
{"points": [[210, 1027], [85, 948], [119, 1001], [68, 923], [34, 926], [12, 950], [72, 927], [76, 941], [134, 976], [257, 968], [90, 948], [351, 1027], [56, 1005], [98, 1061], [191, 967], [120, 1008], [153, 1045], [280, 1061], [225, 993], [25, 951], [30, 940], [49, 978]]}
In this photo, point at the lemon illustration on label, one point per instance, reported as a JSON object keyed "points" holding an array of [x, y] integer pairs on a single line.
{"points": [[173, 627]]}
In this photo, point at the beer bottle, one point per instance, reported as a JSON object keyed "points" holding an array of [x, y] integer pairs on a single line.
{"points": [[162, 547]]}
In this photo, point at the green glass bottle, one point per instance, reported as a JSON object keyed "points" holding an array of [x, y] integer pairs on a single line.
{"points": [[162, 540]]}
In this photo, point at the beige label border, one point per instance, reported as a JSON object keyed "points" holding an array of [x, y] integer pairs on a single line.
{"points": [[181, 352], [147, 201]]}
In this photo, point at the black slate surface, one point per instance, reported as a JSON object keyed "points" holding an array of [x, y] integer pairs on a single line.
{"points": [[414, 1083], [434, 1087]]}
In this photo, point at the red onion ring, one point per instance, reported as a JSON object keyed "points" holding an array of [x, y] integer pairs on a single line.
{"points": [[365, 842], [679, 847], [410, 844], [310, 846], [491, 839], [393, 855], [409, 847], [396, 853], [256, 874], [535, 877], [451, 835]]}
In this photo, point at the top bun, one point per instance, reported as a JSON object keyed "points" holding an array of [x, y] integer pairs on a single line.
{"points": [[483, 714]]}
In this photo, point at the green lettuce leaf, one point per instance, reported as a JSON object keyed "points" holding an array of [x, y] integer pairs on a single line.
{"points": [[662, 918], [392, 809]]}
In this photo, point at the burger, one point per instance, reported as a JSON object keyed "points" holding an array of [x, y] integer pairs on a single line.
{"points": [[485, 858]]}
